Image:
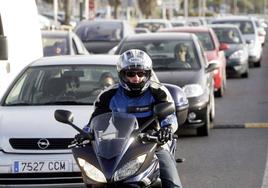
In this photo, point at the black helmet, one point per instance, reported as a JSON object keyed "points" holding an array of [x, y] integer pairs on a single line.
{"points": [[134, 60]]}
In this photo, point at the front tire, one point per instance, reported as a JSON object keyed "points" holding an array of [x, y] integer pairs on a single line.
{"points": [[204, 130]]}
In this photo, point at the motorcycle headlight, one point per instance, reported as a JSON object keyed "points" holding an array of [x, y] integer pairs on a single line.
{"points": [[91, 171], [193, 90], [237, 54], [129, 168]]}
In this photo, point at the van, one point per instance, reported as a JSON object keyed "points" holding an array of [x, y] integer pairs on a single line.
{"points": [[20, 38]]}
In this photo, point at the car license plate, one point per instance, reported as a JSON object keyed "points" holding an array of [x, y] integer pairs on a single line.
{"points": [[40, 166]]}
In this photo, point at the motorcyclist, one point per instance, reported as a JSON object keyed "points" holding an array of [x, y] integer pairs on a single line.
{"points": [[136, 94]]}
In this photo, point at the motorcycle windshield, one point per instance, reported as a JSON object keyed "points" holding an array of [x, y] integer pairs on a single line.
{"points": [[112, 131]]}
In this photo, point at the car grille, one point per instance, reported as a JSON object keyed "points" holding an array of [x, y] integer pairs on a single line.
{"points": [[32, 143], [41, 178]]}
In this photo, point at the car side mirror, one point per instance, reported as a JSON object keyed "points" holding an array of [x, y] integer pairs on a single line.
{"points": [[3, 48], [224, 46], [213, 65], [249, 41]]}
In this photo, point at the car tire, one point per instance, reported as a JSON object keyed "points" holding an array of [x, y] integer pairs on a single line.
{"points": [[219, 92], [257, 64], [212, 108], [204, 130], [244, 75]]}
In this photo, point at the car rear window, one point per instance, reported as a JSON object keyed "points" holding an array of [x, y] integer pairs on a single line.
{"points": [[100, 31]]}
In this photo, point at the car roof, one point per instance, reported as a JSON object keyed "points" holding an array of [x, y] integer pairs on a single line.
{"points": [[187, 29], [153, 21], [223, 26], [55, 32], [234, 18], [77, 60], [157, 36]]}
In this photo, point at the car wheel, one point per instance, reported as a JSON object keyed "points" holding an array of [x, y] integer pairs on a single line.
{"points": [[204, 130], [257, 64], [219, 92], [212, 108], [244, 75]]}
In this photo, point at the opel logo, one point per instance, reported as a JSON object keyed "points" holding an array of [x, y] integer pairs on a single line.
{"points": [[43, 143]]}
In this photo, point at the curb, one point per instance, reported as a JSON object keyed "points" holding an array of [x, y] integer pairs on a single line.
{"points": [[240, 126]]}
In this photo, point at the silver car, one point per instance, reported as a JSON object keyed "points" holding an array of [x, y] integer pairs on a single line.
{"points": [[33, 145], [249, 31]]}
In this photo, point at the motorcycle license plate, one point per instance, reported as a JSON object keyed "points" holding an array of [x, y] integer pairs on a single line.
{"points": [[40, 166]]}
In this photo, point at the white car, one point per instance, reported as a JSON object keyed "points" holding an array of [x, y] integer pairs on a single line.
{"points": [[33, 145], [249, 32]]}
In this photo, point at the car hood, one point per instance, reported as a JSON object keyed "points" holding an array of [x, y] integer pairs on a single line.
{"points": [[234, 47], [181, 78], [38, 122]]}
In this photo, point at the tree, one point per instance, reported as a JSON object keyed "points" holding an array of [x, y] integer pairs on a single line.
{"points": [[68, 12], [146, 7], [115, 4]]}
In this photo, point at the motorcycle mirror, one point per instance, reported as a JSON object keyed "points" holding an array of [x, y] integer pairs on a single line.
{"points": [[164, 109], [64, 116]]}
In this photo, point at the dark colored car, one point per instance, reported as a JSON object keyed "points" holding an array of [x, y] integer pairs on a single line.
{"points": [[237, 52], [196, 80], [100, 36], [61, 42], [214, 51]]}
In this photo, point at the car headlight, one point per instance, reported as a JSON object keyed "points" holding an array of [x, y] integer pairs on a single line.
{"points": [[91, 171], [193, 90], [129, 168], [237, 54]]}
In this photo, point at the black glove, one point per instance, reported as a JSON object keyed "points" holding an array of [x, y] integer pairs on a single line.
{"points": [[79, 138], [165, 134]]}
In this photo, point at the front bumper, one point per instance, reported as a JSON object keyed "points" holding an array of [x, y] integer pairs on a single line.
{"points": [[196, 112], [9, 178], [236, 67]]}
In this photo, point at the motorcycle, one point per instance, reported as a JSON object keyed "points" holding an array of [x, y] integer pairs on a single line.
{"points": [[116, 152]]}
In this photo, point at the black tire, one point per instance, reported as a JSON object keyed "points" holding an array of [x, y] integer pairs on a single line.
{"points": [[204, 130], [257, 64], [244, 75], [219, 92]]}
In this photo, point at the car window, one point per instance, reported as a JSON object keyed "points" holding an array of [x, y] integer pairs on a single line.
{"points": [[206, 40], [100, 31], [53, 45], [50, 85], [228, 35], [246, 27], [163, 53], [151, 26]]}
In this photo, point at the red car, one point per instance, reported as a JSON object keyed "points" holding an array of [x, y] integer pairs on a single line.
{"points": [[213, 49]]}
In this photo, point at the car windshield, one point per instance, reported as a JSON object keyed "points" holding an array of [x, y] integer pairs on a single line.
{"points": [[206, 40], [246, 27], [100, 31], [61, 85], [151, 26], [228, 35], [167, 54], [111, 132], [55, 45]]}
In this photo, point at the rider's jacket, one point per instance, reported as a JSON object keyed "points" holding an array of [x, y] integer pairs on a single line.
{"points": [[115, 99]]}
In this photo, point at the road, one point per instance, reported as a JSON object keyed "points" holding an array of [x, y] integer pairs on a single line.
{"points": [[235, 154]]}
